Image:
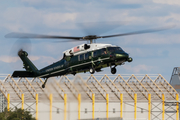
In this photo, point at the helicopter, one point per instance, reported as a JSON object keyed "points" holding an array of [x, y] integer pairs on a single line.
{"points": [[90, 57]]}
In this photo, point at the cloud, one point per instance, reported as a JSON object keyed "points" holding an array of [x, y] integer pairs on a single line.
{"points": [[169, 2], [26, 19], [32, 1], [21, 18], [8, 59], [130, 1], [56, 19], [47, 59], [172, 18], [167, 37], [34, 58], [42, 61]]}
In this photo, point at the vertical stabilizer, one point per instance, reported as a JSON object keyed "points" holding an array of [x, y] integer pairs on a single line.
{"points": [[28, 65]]}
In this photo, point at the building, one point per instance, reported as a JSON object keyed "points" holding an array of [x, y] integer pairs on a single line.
{"points": [[130, 97]]}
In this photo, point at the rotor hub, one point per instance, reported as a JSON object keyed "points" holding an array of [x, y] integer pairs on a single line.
{"points": [[90, 37]]}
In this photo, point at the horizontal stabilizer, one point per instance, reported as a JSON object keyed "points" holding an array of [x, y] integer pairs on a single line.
{"points": [[23, 74]]}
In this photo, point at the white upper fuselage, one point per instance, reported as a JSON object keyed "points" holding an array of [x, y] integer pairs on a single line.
{"points": [[80, 48]]}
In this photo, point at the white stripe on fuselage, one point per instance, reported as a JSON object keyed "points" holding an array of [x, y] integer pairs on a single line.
{"points": [[75, 66]]}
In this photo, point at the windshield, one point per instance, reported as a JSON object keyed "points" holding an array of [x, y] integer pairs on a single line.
{"points": [[113, 49]]}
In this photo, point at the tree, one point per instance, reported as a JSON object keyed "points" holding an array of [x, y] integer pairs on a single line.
{"points": [[17, 114]]}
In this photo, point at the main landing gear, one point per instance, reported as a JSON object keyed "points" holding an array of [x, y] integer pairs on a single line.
{"points": [[113, 70], [92, 70], [43, 85]]}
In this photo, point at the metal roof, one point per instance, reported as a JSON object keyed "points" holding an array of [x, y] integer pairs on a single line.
{"points": [[100, 85]]}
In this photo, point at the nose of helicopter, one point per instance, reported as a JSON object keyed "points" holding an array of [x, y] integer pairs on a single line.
{"points": [[123, 55]]}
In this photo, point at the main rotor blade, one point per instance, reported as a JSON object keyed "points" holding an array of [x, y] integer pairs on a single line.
{"points": [[138, 32], [89, 37], [57, 41], [28, 35]]}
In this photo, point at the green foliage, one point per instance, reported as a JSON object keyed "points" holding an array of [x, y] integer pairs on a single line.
{"points": [[17, 114]]}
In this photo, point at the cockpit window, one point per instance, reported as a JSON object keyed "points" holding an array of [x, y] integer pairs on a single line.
{"points": [[113, 49], [103, 51]]}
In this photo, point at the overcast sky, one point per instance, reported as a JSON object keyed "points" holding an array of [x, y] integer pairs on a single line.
{"points": [[152, 53]]}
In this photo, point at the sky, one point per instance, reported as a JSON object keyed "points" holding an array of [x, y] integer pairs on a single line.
{"points": [[152, 53]]}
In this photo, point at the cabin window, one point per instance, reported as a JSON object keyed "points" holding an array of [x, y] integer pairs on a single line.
{"points": [[86, 56], [81, 57], [95, 54]]}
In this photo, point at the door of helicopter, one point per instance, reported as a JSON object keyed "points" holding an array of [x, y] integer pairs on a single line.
{"points": [[98, 55]]}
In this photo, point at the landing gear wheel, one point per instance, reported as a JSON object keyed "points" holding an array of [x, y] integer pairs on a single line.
{"points": [[113, 70], [43, 86], [92, 70]]}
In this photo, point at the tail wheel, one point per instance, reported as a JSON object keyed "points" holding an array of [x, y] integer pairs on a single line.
{"points": [[43, 86], [92, 70], [113, 70]]}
